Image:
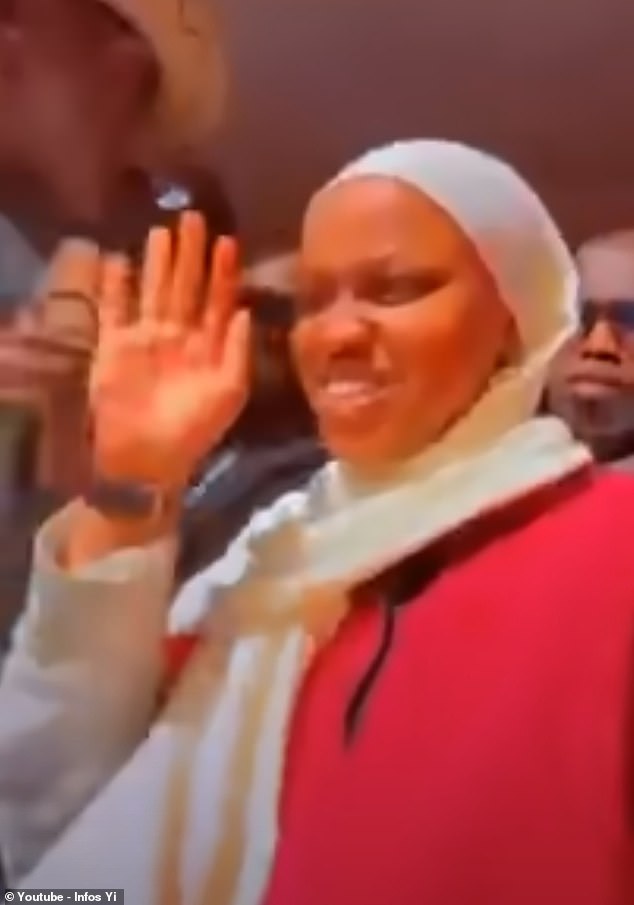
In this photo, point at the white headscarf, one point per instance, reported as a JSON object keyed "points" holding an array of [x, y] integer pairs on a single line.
{"points": [[515, 238]]}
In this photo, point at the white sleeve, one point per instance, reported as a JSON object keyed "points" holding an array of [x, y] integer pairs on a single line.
{"points": [[79, 688]]}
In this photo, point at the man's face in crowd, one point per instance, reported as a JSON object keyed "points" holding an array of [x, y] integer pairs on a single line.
{"points": [[592, 386], [76, 90], [277, 408]]}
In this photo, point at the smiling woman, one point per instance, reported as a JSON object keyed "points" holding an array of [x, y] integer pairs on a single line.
{"points": [[393, 296], [389, 689]]}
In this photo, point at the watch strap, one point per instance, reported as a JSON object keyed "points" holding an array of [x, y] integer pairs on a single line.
{"points": [[129, 499]]}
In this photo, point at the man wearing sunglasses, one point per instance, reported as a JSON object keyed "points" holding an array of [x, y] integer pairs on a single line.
{"points": [[592, 386]]}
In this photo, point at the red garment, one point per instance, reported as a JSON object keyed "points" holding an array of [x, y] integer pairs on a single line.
{"points": [[177, 651], [493, 763]]}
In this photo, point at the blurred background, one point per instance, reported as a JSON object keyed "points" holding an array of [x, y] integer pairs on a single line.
{"points": [[548, 85]]}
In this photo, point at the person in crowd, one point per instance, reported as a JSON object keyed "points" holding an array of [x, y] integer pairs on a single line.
{"points": [[44, 368], [403, 684], [592, 384], [103, 102], [81, 158], [273, 446]]}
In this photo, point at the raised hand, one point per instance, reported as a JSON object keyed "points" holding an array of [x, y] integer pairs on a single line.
{"points": [[171, 371]]}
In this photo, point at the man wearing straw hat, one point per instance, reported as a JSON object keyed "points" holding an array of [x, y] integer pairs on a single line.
{"points": [[103, 103]]}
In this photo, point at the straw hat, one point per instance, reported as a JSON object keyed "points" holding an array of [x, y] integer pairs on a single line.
{"points": [[184, 37]]}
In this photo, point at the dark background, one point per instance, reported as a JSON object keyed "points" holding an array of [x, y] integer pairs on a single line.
{"points": [[549, 84]]}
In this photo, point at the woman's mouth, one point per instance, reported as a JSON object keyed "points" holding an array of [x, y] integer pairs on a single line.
{"points": [[348, 396]]}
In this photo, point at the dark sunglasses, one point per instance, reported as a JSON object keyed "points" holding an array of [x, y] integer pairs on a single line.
{"points": [[618, 313]]}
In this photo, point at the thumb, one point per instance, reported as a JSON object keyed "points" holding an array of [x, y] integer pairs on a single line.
{"points": [[66, 296]]}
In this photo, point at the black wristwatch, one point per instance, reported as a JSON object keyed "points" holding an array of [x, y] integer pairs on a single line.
{"points": [[129, 499]]}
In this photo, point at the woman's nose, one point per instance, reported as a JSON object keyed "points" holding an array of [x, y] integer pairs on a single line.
{"points": [[345, 324]]}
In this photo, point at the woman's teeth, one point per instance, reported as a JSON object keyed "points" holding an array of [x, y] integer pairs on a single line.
{"points": [[342, 389]]}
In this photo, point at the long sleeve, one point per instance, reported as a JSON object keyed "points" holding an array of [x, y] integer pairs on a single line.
{"points": [[79, 687]]}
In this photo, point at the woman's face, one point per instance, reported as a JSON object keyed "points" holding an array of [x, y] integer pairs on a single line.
{"points": [[399, 324]]}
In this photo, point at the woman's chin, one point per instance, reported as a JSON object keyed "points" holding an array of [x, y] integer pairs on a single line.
{"points": [[350, 446], [372, 450], [365, 450], [349, 427]]}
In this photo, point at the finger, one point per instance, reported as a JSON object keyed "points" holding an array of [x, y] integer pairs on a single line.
{"points": [[189, 268], [27, 319], [115, 296], [236, 357], [74, 267], [67, 293], [157, 262], [36, 344], [222, 292], [21, 367]]}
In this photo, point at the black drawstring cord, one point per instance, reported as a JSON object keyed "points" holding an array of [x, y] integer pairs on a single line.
{"points": [[411, 578], [400, 586], [356, 705]]}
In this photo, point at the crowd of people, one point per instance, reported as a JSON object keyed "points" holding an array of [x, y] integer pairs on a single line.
{"points": [[320, 568]]}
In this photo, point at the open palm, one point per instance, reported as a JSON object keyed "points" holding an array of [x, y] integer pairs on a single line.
{"points": [[171, 372]]}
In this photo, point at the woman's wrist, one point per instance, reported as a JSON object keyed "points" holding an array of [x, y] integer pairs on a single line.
{"points": [[133, 500], [96, 533]]}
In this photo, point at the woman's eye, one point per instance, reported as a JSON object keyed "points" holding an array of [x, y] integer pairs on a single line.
{"points": [[401, 290], [398, 293], [309, 301]]}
